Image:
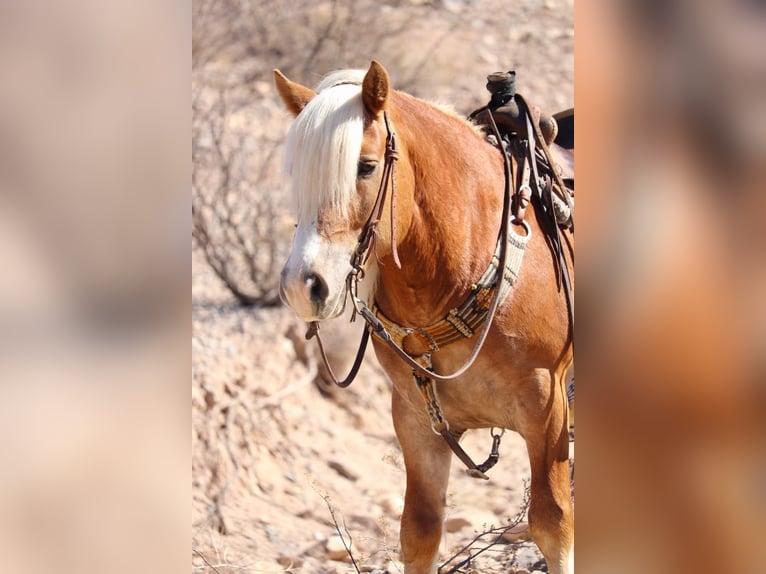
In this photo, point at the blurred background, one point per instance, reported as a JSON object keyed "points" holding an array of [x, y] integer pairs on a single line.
{"points": [[94, 285], [670, 341], [94, 289]]}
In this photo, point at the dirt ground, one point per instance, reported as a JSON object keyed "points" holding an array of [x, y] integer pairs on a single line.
{"points": [[278, 460]]}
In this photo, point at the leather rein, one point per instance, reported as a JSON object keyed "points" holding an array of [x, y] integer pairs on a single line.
{"points": [[421, 366]]}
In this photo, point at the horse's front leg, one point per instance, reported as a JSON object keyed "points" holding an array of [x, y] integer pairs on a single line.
{"points": [[427, 461]]}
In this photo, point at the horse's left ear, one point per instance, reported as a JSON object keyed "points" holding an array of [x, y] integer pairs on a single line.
{"points": [[375, 89], [294, 96]]}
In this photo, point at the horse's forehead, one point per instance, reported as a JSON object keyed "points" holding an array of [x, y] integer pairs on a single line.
{"points": [[373, 136]]}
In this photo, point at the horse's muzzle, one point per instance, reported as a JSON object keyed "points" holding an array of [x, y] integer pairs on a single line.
{"points": [[308, 294]]}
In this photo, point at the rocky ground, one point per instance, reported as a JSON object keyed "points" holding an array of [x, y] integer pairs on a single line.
{"points": [[280, 462]]}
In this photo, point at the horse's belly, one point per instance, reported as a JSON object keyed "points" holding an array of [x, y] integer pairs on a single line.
{"points": [[495, 394]]}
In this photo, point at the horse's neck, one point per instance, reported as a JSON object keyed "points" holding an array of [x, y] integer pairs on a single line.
{"points": [[455, 205]]}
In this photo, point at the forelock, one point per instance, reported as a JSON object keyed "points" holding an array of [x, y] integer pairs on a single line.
{"points": [[323, 145]]}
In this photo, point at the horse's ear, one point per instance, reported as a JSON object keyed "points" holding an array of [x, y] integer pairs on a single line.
{"points": [[375, 89], [293, 95]]}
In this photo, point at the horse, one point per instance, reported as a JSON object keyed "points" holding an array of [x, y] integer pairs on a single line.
{"points": [[434, 240]]}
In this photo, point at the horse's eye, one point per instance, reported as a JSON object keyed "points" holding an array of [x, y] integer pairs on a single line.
{"points": [[366, 168]]}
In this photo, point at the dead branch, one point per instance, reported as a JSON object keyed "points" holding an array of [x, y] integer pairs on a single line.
{"points": [[205, 560], [495, 535]]}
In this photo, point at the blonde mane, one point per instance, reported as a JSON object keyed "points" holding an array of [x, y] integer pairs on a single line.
{"points": [[323, 146]]}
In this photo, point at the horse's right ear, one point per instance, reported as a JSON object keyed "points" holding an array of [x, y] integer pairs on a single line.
{"points": [[375, 89], [293, 95]]}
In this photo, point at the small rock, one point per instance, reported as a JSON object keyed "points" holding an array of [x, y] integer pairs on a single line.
{"points": [[517, 533], [290, 560], [367, 523], [393, 505], [456, 523], [453, 5], [343, 470], [336, 550]]}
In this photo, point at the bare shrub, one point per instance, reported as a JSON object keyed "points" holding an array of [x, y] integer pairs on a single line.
{"points": [[237, 217]]}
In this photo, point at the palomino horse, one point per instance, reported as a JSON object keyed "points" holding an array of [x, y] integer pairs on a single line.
{"points": [[436, 239]]}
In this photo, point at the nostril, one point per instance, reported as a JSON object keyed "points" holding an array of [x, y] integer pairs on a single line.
{"points": [[318, 290]]}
